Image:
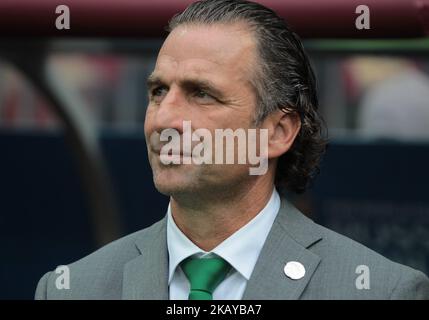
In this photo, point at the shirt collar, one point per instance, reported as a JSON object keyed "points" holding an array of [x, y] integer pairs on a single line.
{"points": [[241, 249]]}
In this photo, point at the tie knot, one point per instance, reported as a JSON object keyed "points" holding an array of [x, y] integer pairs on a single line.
{"points": [[204, 276]]}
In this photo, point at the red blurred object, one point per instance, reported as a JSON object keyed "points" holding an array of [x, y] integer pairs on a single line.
{"points": [[143, 18]]}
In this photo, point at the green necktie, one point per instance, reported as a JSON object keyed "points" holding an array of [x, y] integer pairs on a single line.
{"points": [[204, 276]]}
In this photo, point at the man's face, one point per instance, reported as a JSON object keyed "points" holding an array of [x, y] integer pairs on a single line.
{"points": [[202, 75]]}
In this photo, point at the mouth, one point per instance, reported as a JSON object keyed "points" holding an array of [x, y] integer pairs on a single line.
{"points": [[173, 158], [180, 154], [170, 153]]}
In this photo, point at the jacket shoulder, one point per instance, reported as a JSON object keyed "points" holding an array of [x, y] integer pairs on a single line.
{"points": [[97, 275], [353, 271]]}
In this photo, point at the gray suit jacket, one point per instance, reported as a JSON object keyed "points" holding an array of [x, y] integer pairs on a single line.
{"points": [[136, 267]]}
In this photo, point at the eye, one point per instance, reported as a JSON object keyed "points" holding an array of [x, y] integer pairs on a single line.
{"points": [[157, 93], [203, 96]]}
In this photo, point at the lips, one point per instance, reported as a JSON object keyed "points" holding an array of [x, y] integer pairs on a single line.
{"points": [[157, 148], [180, 154], [170, 153], [177, 150]]}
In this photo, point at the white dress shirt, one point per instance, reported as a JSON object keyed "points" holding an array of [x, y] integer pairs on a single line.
{"points": [[241, 250]]}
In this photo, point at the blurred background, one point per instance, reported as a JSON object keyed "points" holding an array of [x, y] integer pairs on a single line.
{"points": [[74, 173]]}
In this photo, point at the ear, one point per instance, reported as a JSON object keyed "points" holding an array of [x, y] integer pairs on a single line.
{"points": [[283, 127]]}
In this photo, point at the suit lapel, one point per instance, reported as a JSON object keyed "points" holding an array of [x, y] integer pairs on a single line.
{"points": [[145, 277], [292, 233]]}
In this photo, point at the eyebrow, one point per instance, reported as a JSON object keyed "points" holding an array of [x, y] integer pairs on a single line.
{"points": [[188, 84], [153, 80]]}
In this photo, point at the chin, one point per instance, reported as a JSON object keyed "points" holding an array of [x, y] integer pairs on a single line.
{"points": [[170, 182], [166, 187]]}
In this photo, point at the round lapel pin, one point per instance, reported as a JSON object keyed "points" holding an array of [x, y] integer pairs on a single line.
{"points": [[294, 270]]}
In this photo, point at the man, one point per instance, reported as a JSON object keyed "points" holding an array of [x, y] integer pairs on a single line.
{"points": [[227, 233]]}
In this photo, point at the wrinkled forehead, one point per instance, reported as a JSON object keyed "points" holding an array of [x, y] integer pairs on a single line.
{"points": [[229, 49]]}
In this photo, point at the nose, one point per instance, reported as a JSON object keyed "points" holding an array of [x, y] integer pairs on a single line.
{"points": [[171, 112]]}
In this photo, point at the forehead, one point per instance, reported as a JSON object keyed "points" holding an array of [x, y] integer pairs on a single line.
{"points": [[219, 50]]}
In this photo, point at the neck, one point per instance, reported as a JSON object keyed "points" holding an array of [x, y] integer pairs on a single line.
{"points": [[213, 219]]}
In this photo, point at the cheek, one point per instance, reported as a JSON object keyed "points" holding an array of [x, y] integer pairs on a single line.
{"points": [[220, 119], [148, 121], [230, 119]]}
